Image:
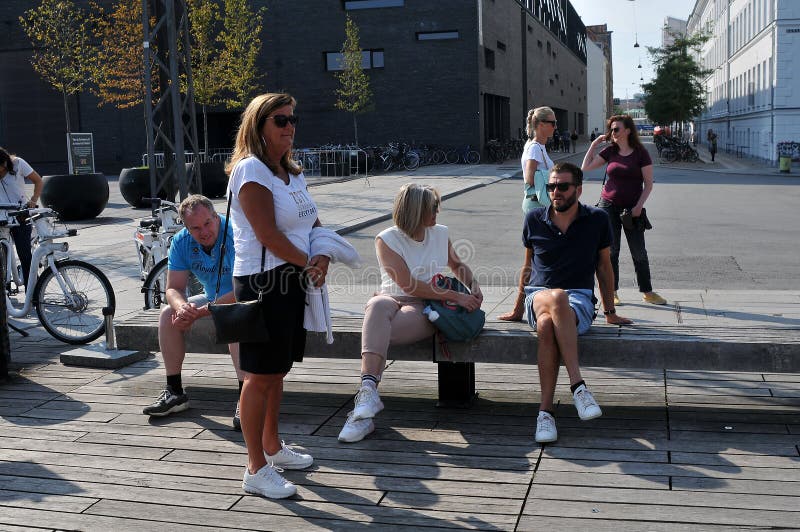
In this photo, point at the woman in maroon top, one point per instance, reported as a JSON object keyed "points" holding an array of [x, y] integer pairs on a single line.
{"points": [[628, 185]]}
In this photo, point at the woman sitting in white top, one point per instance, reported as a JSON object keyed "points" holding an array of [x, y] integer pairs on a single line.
{"points": [[410, 254]]}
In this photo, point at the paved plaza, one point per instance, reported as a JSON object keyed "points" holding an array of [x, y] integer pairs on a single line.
{"points": [[674, 450]]}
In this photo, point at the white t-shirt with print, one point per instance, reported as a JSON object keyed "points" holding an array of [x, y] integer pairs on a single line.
{"points": [[12, 187], [424, 259], [295, 214], [535, 151]]}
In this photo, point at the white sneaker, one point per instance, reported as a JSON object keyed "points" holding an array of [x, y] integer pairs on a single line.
{"points": [[546, 428], [268, 482], [368, 403], [356, 429], [287, 458], [585, 403]]}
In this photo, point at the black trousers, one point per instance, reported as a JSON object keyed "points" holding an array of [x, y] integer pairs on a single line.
{"points": [[636, 246]]}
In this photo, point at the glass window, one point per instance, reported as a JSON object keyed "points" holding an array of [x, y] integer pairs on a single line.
{"points": [[377, 59], [369, 59], [437, 35], [372, 4], [488, 56]]}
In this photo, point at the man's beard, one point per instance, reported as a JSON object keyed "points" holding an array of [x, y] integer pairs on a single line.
{"points": [[566, 203]]}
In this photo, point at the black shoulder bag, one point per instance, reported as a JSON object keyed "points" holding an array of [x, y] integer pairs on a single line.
{"points": [[243, 321]]}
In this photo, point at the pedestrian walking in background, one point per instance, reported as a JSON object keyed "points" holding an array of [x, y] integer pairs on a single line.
{"points": [[574, 139], [565, 140], [712, 144]]}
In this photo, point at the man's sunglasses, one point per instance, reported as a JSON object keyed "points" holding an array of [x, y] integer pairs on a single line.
{"points": [[562, 187], [282, 120]]}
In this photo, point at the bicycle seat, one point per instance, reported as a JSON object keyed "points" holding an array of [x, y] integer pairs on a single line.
{"points": [[149, 222]]}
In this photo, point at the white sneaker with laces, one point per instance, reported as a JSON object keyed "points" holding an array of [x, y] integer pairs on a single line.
{"points": [[546, 428], [268, 482], [356, 429], [287, 458], [368, 403], [585, 403]]}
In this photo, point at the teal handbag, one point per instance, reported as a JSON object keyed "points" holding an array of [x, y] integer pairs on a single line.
{"points": [[452, 321], [536, 195]]}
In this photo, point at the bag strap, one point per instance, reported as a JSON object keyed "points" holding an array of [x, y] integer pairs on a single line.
{"points": [[222, 246]]}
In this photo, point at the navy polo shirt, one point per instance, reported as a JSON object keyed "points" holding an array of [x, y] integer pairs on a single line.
{"points": [[566, 260]]}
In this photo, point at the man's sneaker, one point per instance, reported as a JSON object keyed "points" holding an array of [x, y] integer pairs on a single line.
{"points": [[616, 299], [585, 403], [546, 428], [237, 420], [356, 429], [368, 403], [268, 482], [167, 403], [654, 299], [286, 458]]}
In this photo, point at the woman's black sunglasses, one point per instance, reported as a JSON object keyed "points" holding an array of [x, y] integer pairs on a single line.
{"points": [[562, 187], [282, 120]]}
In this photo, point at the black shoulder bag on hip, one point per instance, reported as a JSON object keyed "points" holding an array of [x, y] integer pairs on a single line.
{"points": [[243, 321]]}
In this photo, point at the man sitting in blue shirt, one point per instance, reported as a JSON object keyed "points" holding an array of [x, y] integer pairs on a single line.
{"points": [[566, 245], [195, 249]]}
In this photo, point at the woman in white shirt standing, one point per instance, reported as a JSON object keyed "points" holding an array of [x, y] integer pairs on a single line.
{"points": [[541, 123], [13, 173], [272, 215], [410, 254]]}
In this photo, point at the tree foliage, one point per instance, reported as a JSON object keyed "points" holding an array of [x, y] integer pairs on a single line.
{"points": [[354, 94], [119, 65], [676, 94], [61, 38], [241, 45], [204, 30]]}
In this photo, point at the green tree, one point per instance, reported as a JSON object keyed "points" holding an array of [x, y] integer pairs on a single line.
{"points": [[207, 83], [241, 46], [61, 38], [676, 95], [354, 94]]}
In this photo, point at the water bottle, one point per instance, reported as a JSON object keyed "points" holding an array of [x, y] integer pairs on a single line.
{"points": [[432, 314]]}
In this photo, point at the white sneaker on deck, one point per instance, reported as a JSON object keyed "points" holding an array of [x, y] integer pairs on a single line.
{"points": [[268, 482], [585, 403], [546, 428], [356, 429], [288, 458], [368, 403]]}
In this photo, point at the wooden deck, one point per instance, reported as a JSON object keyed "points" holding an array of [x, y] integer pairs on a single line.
{"points": [[674, 450]]}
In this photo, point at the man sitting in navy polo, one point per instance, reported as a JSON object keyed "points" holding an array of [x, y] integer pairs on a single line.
{"points": [[566, 245]]}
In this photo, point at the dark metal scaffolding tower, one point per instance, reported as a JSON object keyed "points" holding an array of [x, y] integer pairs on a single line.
{"points": [[171, 123]]}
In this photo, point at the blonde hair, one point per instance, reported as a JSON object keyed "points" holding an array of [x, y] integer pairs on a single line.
{"points": [[249, 140], [411, 205], [192, 202], [535, 116]]}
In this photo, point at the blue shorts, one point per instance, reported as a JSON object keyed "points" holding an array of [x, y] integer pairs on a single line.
{"points": [[580, 300]]}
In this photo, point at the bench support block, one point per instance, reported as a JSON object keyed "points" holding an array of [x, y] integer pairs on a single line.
{"points": [[456, 384]]}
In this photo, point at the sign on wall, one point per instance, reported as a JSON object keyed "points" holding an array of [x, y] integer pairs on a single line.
{"points": [[80, 147]]}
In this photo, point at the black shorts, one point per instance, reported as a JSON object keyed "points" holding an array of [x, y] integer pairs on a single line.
{"points": [[284, 308]]}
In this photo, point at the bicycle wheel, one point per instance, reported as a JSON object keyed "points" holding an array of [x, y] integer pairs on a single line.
{"points": [[77, 317], [439, 157], [473, 157], [668, 155], [693, 156], [155, 286], [411, 161]]}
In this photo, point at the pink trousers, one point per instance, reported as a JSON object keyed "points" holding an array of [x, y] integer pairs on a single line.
{"points": [[393, 320]]}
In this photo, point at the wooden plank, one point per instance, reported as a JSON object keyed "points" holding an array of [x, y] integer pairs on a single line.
{"points": [[122, 451], [43, 501], [535, 523]]}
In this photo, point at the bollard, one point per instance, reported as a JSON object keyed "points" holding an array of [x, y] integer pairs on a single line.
{"points": [[111, 340]]}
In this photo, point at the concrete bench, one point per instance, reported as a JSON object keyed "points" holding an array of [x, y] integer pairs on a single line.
{"points": [[669, 347]]}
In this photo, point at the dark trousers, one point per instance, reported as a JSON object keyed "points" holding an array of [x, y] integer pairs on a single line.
{"points": [[636, 245], [22, 242]]}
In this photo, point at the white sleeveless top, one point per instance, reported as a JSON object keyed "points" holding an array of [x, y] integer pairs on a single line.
{"points": [[424, 259]]}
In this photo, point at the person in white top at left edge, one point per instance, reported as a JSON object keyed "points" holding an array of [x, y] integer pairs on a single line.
{"points": [[272, 214], [13, 173]]}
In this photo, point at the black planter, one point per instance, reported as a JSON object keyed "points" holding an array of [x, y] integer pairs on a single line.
{"points": [[213, 178], [75, 196], [134, 184]]}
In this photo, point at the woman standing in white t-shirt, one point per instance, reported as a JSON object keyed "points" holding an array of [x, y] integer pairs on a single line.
{"points": [[13, 173], [272, 215], [541, 123], [410, 254]]}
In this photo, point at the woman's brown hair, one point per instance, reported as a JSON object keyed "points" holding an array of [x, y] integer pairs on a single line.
{"points": [[627, 121]]}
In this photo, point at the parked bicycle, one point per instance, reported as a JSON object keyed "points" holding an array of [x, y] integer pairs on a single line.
{"points": [[671, 150], [69, 295], [465, 154], [398, 156], [152, 240]]}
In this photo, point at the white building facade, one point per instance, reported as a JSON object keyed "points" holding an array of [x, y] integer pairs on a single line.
{"points": [[672, 26], [597, 88], [753, 91]]}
